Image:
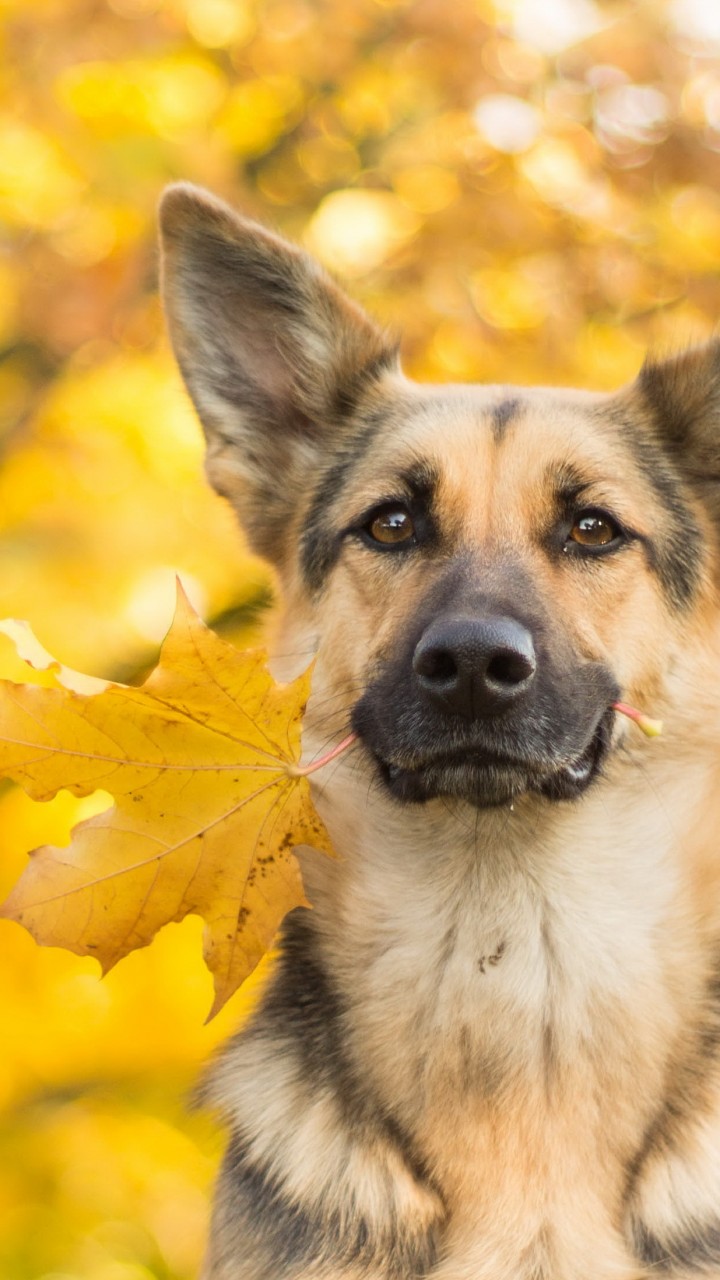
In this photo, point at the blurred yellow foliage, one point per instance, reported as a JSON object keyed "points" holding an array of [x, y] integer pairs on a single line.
{"points": [[354, 231], [527, 189], [163, 95]]}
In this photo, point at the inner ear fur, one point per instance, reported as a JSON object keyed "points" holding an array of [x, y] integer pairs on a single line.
{"points": [[272, 351], [681, 397]]}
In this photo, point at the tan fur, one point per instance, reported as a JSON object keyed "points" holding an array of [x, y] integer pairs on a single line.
{"points": [[528, 992]]}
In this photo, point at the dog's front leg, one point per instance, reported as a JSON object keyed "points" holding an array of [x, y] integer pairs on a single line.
{"points": [[318, 1182], [675, 1202], [355, 1212]]}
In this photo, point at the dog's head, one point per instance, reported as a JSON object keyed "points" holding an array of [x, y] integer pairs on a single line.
{"points": [[483, 570]]}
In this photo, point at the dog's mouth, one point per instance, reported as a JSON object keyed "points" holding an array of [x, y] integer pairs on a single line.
{"points": [[486, 779]]}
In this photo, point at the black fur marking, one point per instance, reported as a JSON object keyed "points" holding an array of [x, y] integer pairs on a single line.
{"points": [[693, 1250], [421, 482], [678, 1110], [502, 415], [568, 485], [271, 1224], [320, 544], [676, 553], [669, 410], [352, 389], [302, 1008], [303, 1005], [679, 554], [271, 1220]]}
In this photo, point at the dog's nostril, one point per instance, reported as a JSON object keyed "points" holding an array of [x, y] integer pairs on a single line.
{"points": [[510, 668], [436, 664]]}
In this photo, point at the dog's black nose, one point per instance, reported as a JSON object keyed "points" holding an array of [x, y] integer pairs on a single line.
{"points": [[475, 666]]}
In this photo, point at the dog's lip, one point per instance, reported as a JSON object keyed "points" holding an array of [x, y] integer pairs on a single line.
{"points": [[480, 758], [576, 774], [471, 757], [553, 778]]}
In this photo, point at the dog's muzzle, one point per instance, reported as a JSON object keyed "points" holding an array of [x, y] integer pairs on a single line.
{"points": [[477, 714]]}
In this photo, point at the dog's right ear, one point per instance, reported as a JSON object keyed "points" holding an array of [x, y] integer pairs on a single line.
{"points": [[273, 354]]}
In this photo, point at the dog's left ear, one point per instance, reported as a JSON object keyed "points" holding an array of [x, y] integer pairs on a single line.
{"points": [[272, 351], [680, 397]]}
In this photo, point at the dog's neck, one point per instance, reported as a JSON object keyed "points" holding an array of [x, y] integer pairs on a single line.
{"points": [[552, 905]]}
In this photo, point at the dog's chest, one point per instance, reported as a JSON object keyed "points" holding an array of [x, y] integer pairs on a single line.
{"points": [[504, 1022]]}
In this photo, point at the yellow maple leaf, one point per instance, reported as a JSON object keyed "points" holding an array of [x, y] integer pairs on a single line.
{"points": [[202, 764]]}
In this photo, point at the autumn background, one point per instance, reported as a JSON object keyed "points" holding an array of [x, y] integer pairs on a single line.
{"points": [[528, 189]]}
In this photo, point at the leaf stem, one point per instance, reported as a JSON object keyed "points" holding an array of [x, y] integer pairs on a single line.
{"points": [[302, 771], [651, 728]]}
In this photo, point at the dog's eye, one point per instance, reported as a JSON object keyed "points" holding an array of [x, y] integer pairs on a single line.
{"points": [[391, 526], [594, 529]]}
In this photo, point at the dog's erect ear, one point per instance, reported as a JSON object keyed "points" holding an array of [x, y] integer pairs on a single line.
{"points": [[273, 353], [681, 396]]}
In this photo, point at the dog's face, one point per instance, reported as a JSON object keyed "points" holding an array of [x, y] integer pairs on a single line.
{"points": [[484, 571]]}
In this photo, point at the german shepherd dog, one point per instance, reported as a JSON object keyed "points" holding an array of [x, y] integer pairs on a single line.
{"points": [[492, 1050]]}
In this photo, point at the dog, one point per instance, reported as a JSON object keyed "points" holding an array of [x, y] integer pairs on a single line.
{"points": [[491, 1051]]}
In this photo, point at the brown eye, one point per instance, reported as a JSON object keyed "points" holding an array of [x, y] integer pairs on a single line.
{"points": [[593, 529], [391, 526]]}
